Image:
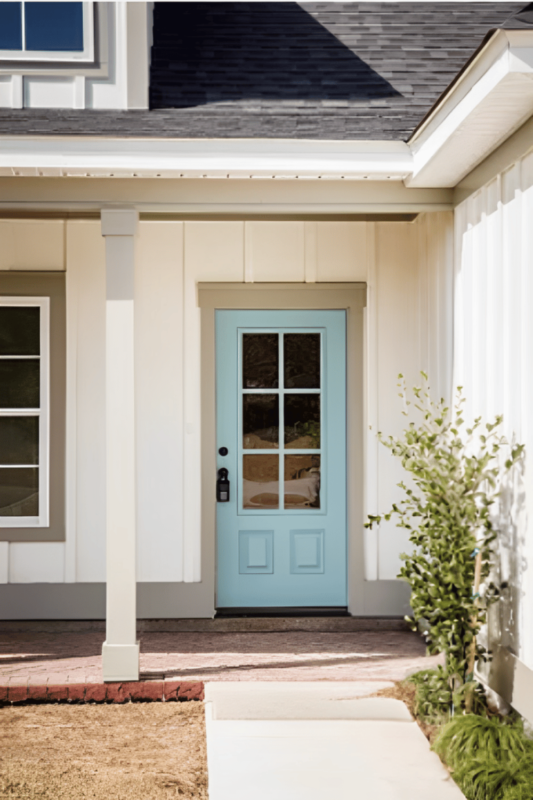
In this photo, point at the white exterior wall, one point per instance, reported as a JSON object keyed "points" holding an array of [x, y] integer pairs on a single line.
{"points": [[119, 81], [493, 358], [408, 268]]}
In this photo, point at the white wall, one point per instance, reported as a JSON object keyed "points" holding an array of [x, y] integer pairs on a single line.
{"points": [[119, 80], [408, 267], [493, 361]]}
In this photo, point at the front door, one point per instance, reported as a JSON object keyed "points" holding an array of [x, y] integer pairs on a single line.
{"points": [[281, 417]]}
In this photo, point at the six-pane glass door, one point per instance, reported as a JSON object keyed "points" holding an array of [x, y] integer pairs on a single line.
{"points": [[281, 421]]}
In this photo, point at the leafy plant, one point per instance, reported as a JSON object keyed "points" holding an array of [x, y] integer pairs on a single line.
{"points": [[490, 759], [435, 696], [456, 477]]}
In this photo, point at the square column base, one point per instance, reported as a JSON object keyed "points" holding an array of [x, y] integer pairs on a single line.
{"points": [[120, 662]]}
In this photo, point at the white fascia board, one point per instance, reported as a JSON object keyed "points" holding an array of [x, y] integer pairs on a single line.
{"points": [[211, 158], [488, 103]]}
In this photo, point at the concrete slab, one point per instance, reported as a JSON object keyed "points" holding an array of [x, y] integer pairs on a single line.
{"points": [[290, 758], [303, 700]]}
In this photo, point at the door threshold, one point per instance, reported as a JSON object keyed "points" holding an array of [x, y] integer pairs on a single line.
{"points": [[278, 611]]}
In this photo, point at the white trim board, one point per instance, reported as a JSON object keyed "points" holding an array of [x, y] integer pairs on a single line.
{"points": [[193, 158], [488, 102]]}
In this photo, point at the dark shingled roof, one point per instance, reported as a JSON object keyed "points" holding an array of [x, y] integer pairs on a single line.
{"points": [[292, 70]]}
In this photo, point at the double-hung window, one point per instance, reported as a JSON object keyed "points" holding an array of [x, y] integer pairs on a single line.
{"points": [[40, 31], [24, 411]]}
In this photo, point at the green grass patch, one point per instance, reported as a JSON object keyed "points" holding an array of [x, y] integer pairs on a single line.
{"points": [[490, 757]]}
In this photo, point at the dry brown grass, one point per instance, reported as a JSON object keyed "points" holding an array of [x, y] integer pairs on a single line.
{"points": [[153, 751]]}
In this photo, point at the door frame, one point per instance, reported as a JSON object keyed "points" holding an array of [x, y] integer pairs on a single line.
{"points": [[350, 297]]}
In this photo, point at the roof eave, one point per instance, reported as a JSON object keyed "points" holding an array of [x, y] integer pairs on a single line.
{"points": [[490, 99]]}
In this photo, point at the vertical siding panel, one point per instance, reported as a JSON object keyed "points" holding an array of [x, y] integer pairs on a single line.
{"points": [[423, 298], [4, 562], [159, 400], [398, 351], [493, 330], [527, 403], [86, 256], [493, 302], [371, 401], [213, 251]]}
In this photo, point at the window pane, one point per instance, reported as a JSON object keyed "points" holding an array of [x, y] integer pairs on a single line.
{"points": [[19, 440], [302, 360], [260, 485], [302, 421], [19, 330], [260, 361], [54, 26], [19, 492], [302, 482], [10, 26], [260, 421], [19, 383]]}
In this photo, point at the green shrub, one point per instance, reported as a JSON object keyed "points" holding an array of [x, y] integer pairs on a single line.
{"points": [[490, 759], [455, 478], [435, 698]]}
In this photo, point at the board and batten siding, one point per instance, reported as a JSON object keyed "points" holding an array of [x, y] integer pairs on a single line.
{"points": [[408, 268], [493, 362]]}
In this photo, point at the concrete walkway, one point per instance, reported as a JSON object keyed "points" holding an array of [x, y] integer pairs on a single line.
{"points": [[317, 740]]}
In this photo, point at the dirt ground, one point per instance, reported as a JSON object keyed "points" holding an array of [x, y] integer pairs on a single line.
{"points": [[152, 751]]}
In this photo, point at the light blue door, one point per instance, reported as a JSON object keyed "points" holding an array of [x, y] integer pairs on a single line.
{"points": [[281, 416]]}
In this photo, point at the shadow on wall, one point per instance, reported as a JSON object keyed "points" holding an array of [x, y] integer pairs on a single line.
{"points": [[502, 634], [226, 52]]}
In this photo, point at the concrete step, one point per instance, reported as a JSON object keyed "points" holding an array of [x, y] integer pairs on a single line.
{"points": [[220, 625]]}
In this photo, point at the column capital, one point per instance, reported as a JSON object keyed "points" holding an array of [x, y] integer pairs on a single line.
{"points": [[119, 221]]}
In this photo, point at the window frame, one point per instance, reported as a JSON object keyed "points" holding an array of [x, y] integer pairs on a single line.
{"points": [[43, 413], [47, 56]]}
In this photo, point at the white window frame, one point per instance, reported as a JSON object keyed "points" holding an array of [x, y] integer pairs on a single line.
{"points": [[43, 412], [47, 56]]}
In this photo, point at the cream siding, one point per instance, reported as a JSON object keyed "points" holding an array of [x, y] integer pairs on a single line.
{"points": [[493, 356], [408, 268]]}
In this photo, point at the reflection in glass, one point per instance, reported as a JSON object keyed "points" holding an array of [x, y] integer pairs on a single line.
{"points": [[260, 484], [302, 482], [302, 421], [19, 492], [19, 440], [260, 358], [260, 421], [19, 330], [19, 383], [302, 360]]}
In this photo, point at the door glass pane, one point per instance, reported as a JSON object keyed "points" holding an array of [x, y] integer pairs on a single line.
{"points": [[302, 481], [19, 492], [302, 360], [260, 485], [302, 421], [19, 331], [19, 440], [260, 357], [19, 383], [260, 415]]}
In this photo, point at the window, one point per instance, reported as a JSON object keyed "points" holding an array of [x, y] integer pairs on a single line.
{"points": [[24, 411], [35, 31]]}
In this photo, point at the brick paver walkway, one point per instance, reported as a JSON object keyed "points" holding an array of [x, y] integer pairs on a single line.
{"points": [[37, 657]]}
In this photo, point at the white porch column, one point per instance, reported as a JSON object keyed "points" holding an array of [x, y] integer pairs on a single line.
{"points": [[120, 651]]}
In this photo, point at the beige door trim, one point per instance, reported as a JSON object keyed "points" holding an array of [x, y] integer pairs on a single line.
{"points": [[348, 296]]}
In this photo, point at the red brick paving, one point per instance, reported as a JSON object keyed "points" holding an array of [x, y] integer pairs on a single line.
{"points": [[132, 691], [55, 659]]}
